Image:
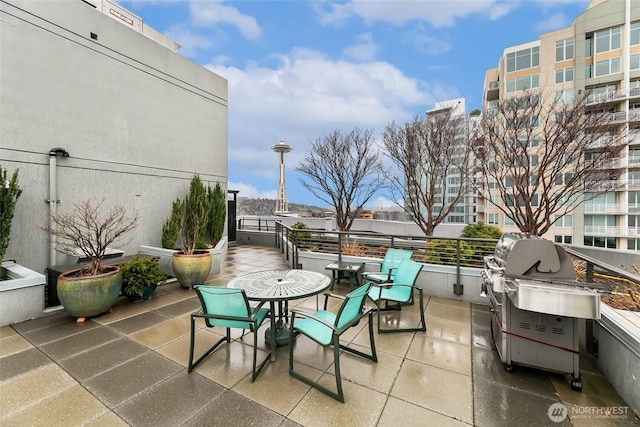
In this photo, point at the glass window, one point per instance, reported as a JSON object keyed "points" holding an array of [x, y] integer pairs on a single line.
{"points": [[588, 47], [563, 178], [563, 239], [634, 61], [565, 221], [523, 59], [564, 50], [564, 96], [635, 33], [607, 40], [522, 83], [493, 218], [608, 66]]}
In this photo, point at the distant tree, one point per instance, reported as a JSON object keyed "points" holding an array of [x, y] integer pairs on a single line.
{"points": [[445, 252], [481, 231], [434, 157], [475, 112], [345, 171], [541, 155]]}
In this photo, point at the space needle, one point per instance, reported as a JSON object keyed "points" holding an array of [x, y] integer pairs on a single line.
{"points": [[281, 203]]}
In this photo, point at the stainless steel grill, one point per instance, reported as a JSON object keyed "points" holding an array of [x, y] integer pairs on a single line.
{"points": [[536, 303]]}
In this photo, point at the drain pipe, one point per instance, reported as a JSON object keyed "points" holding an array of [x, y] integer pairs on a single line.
{"points": [[53, 196]]}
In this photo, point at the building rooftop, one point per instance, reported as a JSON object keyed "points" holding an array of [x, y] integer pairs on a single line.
{"points": [[128, 367]]}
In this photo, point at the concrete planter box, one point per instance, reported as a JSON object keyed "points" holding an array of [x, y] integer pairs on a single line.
{"points": [[618, 335], [21, 294], [218, 255]]}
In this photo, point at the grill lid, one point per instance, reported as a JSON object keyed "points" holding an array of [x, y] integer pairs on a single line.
{"points": [[525, 255]]}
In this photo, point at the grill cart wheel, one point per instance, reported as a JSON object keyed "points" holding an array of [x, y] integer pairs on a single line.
{"points": [[576, 384], [508, 368]]}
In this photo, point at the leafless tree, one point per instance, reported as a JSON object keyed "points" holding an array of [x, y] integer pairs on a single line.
{"points": [[90, 229], [343, 170], [541, 155], [434, 157]]}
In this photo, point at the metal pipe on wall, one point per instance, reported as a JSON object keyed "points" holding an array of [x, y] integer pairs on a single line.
{"points": [[53, 196]]}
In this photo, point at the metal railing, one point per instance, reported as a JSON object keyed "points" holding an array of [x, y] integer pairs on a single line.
{"points": [[257, 223], [458, 252]]}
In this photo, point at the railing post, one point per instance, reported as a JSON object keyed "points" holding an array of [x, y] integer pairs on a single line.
{"points": [[339, 246], [458, 287], [589, 272]]}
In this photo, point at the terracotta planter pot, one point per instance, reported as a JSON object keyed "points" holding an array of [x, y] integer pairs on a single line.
{"points": [[191, 270], [88, 296]]}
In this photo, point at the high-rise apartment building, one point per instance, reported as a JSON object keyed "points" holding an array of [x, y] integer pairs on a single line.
{"points": [[599, 55], [464, 212]]}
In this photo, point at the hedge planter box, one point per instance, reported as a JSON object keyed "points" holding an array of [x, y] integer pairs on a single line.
{"points": [[218, 255], [21, 293]]}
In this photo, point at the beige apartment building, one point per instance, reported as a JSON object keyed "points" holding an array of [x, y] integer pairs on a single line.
{"points": [[598, 55]]}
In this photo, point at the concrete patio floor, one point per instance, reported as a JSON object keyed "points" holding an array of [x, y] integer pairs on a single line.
{"points": [[129, 368]]}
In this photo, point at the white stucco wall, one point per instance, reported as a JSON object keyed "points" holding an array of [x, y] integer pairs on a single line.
{"points": [[136, 118]]}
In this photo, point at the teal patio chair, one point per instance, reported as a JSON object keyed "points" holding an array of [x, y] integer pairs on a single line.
{"points": [[400, 291], [390, 262], [325, 328], [227, 308]]}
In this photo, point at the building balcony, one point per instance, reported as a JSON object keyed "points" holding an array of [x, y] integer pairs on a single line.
{"points": [[613, 163], [493, 91], [634, 116], [610, 96], [604, 209], [603, 230], [615, 185], [634, 162]]}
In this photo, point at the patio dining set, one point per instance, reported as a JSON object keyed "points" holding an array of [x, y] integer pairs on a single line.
{"points": [[247, 301]]}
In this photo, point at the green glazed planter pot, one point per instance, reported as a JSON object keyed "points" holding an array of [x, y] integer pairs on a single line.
{"points": [[191, 270], [89, 296]]}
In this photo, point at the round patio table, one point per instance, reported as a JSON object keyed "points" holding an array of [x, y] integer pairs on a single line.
{"points": [[280, 286]]}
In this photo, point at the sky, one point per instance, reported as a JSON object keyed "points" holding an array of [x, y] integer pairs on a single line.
{"points": [[298, 70]]}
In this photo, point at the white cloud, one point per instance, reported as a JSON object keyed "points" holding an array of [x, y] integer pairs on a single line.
{"points": [[427, 44], [250, 191], [214, 12], [190, 42], [552, 23], [364, 48], [438, 13], [381, 203], [308, 95]]}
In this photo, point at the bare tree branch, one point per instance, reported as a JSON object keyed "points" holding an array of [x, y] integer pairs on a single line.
{"points": [[541, 155], [90, 229], [344, 171], [434, 157]]}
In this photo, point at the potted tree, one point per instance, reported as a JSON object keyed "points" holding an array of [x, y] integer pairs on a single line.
{"points": [[141, 275], [192, 263], [21, 289], [89, 229]]}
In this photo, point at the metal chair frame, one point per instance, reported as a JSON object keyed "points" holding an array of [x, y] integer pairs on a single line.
{"points": [[396, 291], [390, 262], [348, 315], [253, 319]]}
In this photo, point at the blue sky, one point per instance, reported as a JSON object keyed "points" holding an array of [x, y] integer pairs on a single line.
{"points": [[298, 69]]}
